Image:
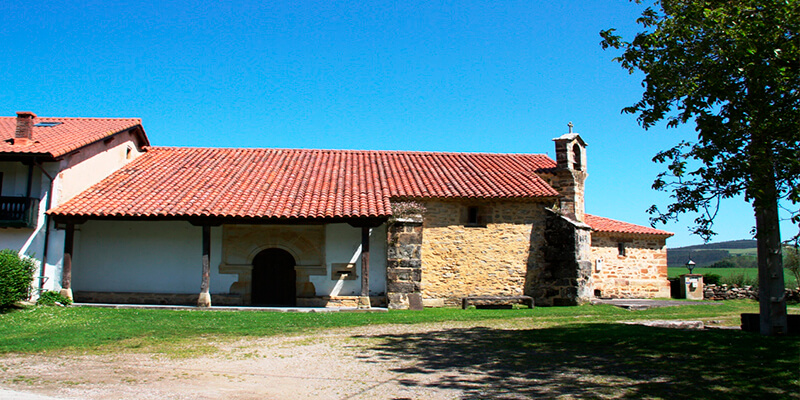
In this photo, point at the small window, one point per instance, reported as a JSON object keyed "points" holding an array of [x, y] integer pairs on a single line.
{"points": [[472, 215], [47, 124], [475, 216], [621, 249], [128, 153]]}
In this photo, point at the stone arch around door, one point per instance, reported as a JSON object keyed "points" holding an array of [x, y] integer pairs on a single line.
{"points": [[242, 243], [273, 278]]}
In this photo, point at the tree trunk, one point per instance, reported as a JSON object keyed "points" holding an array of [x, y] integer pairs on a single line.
{"points": [[771, 291]]}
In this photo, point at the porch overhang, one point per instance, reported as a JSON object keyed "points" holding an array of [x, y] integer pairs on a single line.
{"points": [[198, 220]]}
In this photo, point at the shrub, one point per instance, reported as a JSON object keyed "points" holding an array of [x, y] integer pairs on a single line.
{"points": [[711, 279], [740, 279], [16, 274], [51, 298]]}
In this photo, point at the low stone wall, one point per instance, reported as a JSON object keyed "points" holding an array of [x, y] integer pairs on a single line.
{"points": [[726, 292]]}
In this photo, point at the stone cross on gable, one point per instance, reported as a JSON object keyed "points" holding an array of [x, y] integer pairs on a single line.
{"points": [[570, 126]]}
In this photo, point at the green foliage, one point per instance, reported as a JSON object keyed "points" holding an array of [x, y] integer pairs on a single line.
{"points": [[740, 279], [711, 279], [736, 262], [743, 244], [791, 261], [702, 258], [50, 298], [730, 67], [16, 274], [751, 273]]}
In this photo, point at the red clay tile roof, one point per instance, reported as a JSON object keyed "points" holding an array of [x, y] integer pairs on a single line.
{"points": [[285, 183], [465, 175], [601, 224], [70, 135]]}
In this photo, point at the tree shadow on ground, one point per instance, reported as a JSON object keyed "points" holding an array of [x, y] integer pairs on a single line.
{"points": [[597, 361]]}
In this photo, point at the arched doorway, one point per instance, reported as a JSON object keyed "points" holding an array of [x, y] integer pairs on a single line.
{"points": [[273, 279]]}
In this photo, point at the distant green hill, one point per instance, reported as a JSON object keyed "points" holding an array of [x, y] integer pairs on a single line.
{"points": [[731, 244], [734, 253]]}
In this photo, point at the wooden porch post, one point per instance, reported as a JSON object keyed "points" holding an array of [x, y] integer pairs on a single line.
{"points": [[66, 272], [205, 297], [364, 301]]}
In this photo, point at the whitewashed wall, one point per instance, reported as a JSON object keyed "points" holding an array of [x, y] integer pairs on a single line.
{"points": [[343, 245], [145, 257], [165, 257], [94, 163], [72, 175]]}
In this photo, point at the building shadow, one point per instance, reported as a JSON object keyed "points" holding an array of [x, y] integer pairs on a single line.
{"points": [[596, 361]]}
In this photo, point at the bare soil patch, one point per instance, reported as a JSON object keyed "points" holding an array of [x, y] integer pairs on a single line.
{"points": [[339, 364], [499, 359]]}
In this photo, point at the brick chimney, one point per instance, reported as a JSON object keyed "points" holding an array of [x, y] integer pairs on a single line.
{"points": [[24, 134], [571, 173]]}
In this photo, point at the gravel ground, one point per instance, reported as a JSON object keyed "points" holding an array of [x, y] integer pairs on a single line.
{"points": [[501, 359], [343, 364]]}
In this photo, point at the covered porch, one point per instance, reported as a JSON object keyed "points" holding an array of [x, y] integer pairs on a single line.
{"points": [[315, 262]]}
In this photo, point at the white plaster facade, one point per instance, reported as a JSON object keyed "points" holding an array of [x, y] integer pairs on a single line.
{"points": [[72, 174], [165, 257]]}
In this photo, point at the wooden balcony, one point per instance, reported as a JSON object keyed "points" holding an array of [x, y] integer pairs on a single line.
{"points": [[18, 212]]}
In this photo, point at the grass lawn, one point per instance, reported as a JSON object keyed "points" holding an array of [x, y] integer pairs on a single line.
{"points": [[752, 273], [41, 329], [575, 348]]}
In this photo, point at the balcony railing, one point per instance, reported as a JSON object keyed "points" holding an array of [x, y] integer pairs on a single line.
{"points": [[18, 212]]}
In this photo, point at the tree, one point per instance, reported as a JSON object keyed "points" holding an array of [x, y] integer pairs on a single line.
{"points": [[732, 67]]}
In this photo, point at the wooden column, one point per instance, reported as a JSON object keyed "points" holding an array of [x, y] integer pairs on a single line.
{"points": [[66, 272], [364, 301], [205, 297]]}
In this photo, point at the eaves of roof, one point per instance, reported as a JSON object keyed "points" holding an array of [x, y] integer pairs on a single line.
{"points": [[612, 226], [287, 184]]}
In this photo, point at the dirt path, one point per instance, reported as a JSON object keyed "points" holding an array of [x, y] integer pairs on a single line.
{"points": [[505, 359], [334, 365]]}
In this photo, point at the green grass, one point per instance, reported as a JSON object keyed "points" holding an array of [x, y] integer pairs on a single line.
{"points": [[573, 351], [752, 273], [42, 329]]}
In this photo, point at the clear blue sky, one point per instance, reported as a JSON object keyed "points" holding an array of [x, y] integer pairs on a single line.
{"points": [[466, 76]]}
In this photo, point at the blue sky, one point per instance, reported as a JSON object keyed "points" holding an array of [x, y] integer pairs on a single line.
{"points": [[502, 77]]}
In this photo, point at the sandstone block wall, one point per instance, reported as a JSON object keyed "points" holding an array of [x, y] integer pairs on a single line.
{"points": [[641, 273], [492, 259]]}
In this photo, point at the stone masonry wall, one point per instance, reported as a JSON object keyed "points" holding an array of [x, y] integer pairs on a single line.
{"points": [[403, 265], [491, 259], [565, 277], [641, 273]]}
